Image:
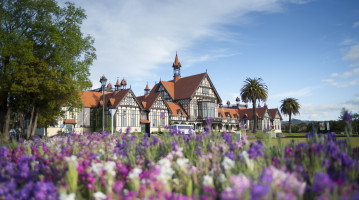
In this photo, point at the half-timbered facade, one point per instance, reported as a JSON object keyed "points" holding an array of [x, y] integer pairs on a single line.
{"points": [[128, 110], [183, 100], [156, 112]]}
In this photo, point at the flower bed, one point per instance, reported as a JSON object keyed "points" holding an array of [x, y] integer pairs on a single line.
{"points": [[177, 166]]}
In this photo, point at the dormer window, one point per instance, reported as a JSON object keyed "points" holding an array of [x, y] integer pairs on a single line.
{"points": [[205, 90], [180, 115]]}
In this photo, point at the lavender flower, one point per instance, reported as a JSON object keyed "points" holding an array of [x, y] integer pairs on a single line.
{"points": [[348, 117]]}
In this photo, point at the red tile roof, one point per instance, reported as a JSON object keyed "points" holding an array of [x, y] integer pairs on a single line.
{"points": [[68, 121], [148, 100], [273, 112], [90, 99], [115, 97], [144, 121], [228, 111], [187, 86], [169, 86], [175, 109]]}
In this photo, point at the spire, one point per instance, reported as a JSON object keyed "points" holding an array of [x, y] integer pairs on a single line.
{"points": [[109, 86], [117, 86], [176, 62], [176, 69], [147, 90], [123, 83]]}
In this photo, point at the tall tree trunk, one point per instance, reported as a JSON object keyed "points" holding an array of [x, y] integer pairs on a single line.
{"points": [[290, 122], [254, 116], [7, 125], [29, 128], [22, 124], [34, 126]]}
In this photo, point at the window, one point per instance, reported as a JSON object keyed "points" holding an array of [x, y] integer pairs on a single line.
{"points": [[180, 115], [162, 122], [154, 119], [124, 118], [205, 90], [194, 111], [206, 110], [133, 118]]}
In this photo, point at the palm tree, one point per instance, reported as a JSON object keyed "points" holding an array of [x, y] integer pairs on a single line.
{"points": [[290, 106], [253, 90]]}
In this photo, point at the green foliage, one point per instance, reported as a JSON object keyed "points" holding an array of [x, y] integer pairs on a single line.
{"points": [[290, 106], [44, 56], [253, 90]]}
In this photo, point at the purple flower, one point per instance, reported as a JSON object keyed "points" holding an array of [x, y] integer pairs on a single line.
{"points": [[209, 120], [322, 182], [128, 130], [255, 150], [259, 191], [162, 115], [3, 152], [229, 155], [348, 117], [44, 191]]}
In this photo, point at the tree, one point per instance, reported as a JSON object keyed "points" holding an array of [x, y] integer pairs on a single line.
{"points": [[44, 59], [253, 90], [290, 106]]}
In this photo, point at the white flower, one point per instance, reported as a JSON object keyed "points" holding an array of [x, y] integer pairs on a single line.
{"points": [[208, 180], [249, 162], [135, 173], [109, 168], [71, 160], [222, 178], [99, 196], [227, 163], [166, 171], [182, 163], [97, 168], [67, 196], [176, 181]]}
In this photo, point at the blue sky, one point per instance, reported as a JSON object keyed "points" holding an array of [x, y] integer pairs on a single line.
{"points": [[306, 49]]}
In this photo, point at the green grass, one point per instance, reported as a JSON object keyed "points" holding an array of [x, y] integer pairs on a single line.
{"points": [[286, 141]]}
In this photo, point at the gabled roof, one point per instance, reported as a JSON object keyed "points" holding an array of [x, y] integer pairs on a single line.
{"points": [[273, 112], [148, 100], [90, 99], [175, 109], [114, 98], [232, 112], [187, 86], [169, 86], [261, 111]]}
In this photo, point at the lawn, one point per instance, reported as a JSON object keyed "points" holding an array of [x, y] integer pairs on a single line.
{"points": [[286, 141]]}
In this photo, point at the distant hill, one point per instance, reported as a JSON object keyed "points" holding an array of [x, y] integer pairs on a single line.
{"points": [[297, 121]]}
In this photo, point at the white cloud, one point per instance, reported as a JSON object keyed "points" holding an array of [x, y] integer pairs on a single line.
{"points": [[356, 24], [307, 91], [327, 111], [347, 42], [354, 72], [299, 1], [134, 37], [352, 55], [341, 84]]}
